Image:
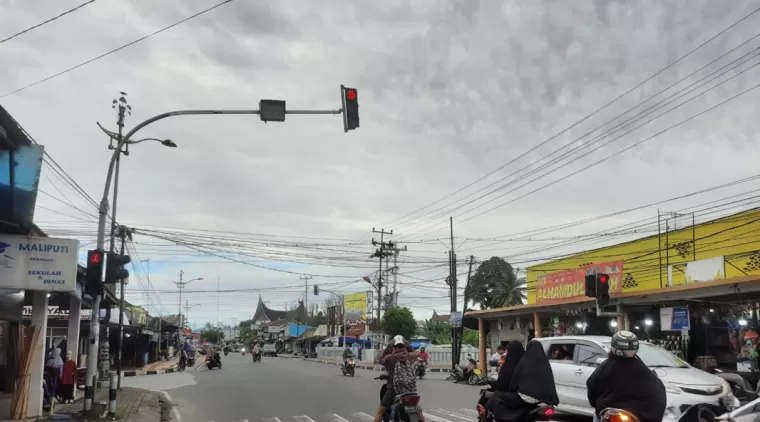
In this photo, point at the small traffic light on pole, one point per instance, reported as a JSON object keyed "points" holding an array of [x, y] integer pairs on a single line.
{"points": [[350, 98], [94, 272], [591, 285], [603, 289], [316, 290], [115, 270]]}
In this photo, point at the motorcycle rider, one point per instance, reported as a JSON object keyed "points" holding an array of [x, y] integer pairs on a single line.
{"points": [[256, 350], [623, 381], [422, 354], [347, 354], [396, 350], [513, 353]]}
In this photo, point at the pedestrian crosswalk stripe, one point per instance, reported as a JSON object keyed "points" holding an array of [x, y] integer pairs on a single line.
{"points": [[271, 420], [468, 411], [303, 418], [434, 418], [336, 418], [365, 417], [453, 414]]}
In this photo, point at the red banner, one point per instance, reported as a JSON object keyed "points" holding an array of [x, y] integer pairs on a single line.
{"points": [[559, 286]]}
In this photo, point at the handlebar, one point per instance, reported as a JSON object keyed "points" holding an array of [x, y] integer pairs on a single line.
{"points": [[382, 377]]}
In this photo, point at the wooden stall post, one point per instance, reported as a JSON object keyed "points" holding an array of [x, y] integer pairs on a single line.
{"points": [[482, 341], [537, 324]]}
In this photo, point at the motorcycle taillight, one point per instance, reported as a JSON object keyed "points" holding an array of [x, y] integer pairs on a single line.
{"points": [[549, 411], [411, 400]]}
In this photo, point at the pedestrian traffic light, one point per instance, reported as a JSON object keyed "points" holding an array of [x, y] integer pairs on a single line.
{"points": [[350, 108], [316, 290], [115, 270], [94, 273], [603, 289], [591, 285]]}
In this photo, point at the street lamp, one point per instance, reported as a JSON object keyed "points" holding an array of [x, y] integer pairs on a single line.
{"points": [[188, 308], [182, 284]]}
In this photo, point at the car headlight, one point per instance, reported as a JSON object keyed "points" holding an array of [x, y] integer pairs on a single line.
{"points": [[672, 389]]}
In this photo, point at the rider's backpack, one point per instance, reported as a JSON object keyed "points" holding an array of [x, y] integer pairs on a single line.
{"points": [[404, 380]]}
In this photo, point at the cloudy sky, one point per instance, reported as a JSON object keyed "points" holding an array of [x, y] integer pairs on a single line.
{"points": [[477, 110]]}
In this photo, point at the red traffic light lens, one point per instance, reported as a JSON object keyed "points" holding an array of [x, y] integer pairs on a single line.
{"points": [[603, 278], [351, 94], [96, 258]]}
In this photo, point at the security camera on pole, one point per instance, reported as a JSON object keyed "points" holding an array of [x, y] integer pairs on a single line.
{"points": [[270, 110]]}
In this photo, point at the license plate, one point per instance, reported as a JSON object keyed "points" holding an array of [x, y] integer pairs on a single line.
{"points": [[412, 409], [476, 371]]}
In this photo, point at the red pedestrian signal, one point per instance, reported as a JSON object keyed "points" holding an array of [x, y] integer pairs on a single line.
{"points": [[94, 273], [603, 278], [351, 94]]}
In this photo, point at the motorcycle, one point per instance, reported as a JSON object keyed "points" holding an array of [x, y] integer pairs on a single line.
{"points": [[191, 359], [542, 411], [226, 351], [242, 351], [81, 374], [420, 368], [405, 407], [470, 372], [212, 363], [256, 357], [348, 367], [741, 389]]}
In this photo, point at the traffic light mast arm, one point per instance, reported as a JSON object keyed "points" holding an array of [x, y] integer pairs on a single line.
{"points": [[601, 313]]}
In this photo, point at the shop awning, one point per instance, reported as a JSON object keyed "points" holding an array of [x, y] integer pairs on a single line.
{"points": [[697, 290]]}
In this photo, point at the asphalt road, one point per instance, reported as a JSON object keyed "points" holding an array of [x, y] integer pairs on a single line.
{"points": [[292, 390]]}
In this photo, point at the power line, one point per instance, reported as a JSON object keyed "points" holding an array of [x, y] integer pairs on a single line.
{"points": [[47, 21], [585, 118], [129, 44]]}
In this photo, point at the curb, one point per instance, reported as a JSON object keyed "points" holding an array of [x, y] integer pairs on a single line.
{"points": [[368, 367], [149, 372]]}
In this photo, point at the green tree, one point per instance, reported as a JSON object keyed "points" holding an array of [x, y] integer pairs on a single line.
{"points": [[438, 332], [211, 334], [399, 321], [471, 337], [495, 285], [247, 333]]}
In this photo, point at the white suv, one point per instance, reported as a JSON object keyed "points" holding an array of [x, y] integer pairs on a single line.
{"points": [[574, 359]]}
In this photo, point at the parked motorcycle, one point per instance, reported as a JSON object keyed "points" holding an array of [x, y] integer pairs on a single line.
{"points": [[348, 368], [406, 407], [212, 363], [421, 368], [741, 388], [81, 374], [470, 373], [191, 359], [542, 411]]}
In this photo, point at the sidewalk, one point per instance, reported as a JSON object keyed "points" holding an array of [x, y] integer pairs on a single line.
{"points": [[160, 367], [375, 367], [132, 405]]}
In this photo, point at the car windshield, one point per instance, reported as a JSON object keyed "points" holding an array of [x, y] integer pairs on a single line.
{"points": [[656, 357]]}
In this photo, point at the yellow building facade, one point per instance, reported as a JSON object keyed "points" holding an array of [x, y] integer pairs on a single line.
{"points": [[723, 248]]}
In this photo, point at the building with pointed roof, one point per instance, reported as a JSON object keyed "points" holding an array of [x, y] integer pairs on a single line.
{"points": [[264, 315]]}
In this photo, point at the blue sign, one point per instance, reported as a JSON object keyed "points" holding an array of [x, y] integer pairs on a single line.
{"points": [[680, 319]]}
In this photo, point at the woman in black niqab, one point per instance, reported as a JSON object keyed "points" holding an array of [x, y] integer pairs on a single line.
{"points": [[532, 383], [515, 351], [533, 376]]}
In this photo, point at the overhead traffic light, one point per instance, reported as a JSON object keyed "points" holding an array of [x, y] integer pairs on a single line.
{"points": [[603, 289], [350, 108], [316, 290], [94, 272], [115, 270]]}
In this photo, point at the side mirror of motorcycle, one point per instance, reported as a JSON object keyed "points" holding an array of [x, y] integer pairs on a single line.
{"points": [[600, 361]]}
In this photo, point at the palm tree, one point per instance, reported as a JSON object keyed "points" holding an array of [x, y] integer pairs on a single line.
{"points": [[495, 285]]}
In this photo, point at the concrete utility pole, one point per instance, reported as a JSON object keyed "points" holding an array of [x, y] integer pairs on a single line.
{"points": [[181, 284], [394, 295], [306, 296], [380, 253], [452, 281], [269, 110], [124, 233]]}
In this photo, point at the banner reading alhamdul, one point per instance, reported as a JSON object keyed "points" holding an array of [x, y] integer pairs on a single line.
{"points": [[355, 306], [567, 284]]}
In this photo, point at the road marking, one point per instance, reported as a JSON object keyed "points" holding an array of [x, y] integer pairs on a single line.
{"points": [[469, 411], [336, 418], [271, 420], [363, 416], [453, 414], [434, 418], [303, 418]]}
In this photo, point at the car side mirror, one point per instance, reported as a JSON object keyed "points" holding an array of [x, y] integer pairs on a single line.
{"points": [[600, 361]]}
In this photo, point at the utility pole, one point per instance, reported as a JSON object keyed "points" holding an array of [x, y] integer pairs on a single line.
{"points": [[380, 253], [452, 281], [181, 284], [464, 307], [306, 296], [394, 296], [124, 233]]}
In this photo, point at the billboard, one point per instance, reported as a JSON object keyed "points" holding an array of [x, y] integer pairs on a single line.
{"points": [[19, 178], [355, 307], [561, 285], [38, 263]]}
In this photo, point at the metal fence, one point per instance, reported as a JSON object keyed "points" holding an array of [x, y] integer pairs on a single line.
{"points": [[438, 355]]}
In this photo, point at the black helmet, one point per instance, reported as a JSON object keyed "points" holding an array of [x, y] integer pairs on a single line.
{"points": [[625, 344]]}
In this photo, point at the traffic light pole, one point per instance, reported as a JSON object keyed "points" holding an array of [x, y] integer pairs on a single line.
{"points": [[92, 354]]}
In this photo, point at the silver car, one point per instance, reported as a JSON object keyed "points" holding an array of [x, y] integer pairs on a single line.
{"points": [[574, 359]]}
